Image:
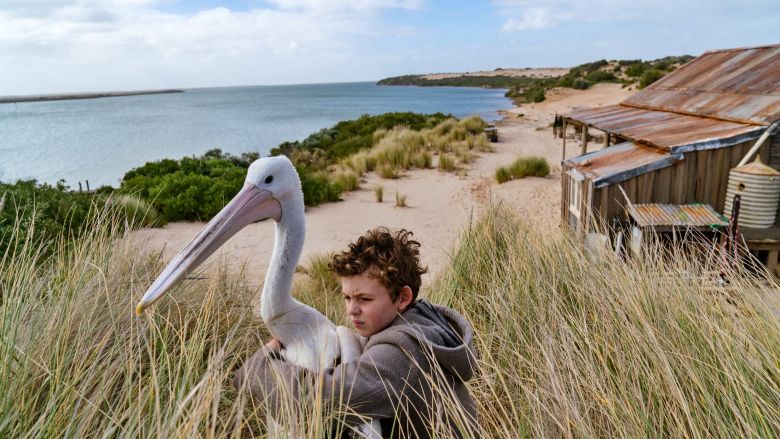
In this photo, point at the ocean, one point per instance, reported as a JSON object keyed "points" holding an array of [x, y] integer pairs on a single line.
{"points": [[101, 139]]}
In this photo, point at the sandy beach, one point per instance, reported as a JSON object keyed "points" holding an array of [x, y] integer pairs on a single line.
{"points": [[439, 204]]}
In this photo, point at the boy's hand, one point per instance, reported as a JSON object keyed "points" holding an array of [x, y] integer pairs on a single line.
{"points": [[274, 345]]}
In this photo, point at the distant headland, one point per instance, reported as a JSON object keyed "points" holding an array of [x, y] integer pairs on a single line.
{"points": [[67, 96]]}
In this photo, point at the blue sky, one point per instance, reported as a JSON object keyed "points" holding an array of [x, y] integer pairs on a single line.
{"points": [[49, 46]]}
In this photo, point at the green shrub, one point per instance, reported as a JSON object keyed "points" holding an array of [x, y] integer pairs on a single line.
{"points": [[351, 136], [503, 175], [38, 214], [580, 84], [136, 211], [190, 189], [529, 166], [345, 181], [636, 70], [523, 167], [534, 94], [601, 76], [317, 188], [649, 77]]}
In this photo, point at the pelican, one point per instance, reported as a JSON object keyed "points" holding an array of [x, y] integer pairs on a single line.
{"points": [[272, 189]]}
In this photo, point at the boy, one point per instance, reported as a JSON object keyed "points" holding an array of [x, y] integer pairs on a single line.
{"points": [[416, 358]]}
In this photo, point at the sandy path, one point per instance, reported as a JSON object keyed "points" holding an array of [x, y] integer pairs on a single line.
{"points": [[440, 204]]}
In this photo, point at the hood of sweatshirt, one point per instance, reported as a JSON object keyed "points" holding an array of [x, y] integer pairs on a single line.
{"points": [[442, 331]]}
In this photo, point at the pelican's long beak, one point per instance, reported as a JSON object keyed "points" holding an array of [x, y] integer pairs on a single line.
{"points": [[249, 205]]}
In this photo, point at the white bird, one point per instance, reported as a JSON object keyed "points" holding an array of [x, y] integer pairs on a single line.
{"points": [[272, 189]]}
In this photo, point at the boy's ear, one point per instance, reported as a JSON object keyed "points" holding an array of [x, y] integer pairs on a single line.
{"points": [[404, 298]]}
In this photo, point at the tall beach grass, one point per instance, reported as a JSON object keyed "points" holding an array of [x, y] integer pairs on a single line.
{"points": [[569, 345]]}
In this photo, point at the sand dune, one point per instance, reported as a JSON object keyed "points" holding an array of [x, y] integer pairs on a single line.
{"points": [[440, 204]]}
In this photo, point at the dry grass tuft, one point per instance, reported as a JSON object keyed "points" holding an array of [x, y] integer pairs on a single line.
{"points": [[400, 200]]}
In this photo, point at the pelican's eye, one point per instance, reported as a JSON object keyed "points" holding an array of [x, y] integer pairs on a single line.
{"points": [[269, 179]]}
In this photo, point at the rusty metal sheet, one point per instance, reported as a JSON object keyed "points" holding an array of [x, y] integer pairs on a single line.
{"points": [[673, 132], [619, 163], [738, 85], [687, 215]]}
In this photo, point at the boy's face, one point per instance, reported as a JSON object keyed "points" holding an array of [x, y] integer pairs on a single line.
{"points": [[369, 305]]}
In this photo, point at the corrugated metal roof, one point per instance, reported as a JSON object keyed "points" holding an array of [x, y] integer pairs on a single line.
{"points": [[688, 215], [673, 132], [739, 85], [619, 163]]}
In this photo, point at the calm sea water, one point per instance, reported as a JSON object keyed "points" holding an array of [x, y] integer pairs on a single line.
{"points": [[101, 139]]}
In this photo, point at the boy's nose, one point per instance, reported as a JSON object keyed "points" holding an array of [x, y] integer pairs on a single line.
{"points": [[353, 309]]}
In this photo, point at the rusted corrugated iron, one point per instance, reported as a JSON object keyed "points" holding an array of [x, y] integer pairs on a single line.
{"points": [[619, 163], [688, 215], [738, 85], [672, 132]]}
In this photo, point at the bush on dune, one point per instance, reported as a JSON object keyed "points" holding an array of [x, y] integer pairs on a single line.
{"points": [[34, 215], [523, 167], [570, 345]]}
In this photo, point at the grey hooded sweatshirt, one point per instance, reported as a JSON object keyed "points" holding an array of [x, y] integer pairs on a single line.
{"points": [[409, 376]]}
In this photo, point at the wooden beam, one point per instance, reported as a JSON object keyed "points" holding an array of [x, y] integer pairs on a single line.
{"points": [[584, 148], [564, 139]]}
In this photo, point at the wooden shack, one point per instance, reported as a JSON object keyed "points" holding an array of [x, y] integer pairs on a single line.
{"points": [[675, 142]]}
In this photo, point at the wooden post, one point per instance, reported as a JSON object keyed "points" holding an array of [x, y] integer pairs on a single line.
{"points": [[564, 140], [87, 185], [80, 187], [606, 139], [584, 149]]}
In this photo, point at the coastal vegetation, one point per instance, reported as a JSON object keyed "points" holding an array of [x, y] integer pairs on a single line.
{"points": [[34, 216], [523, 167], [525, 89], [570, 345], [329, 162]]}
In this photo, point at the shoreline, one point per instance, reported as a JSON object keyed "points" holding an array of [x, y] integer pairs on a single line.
{"points": [[439, 204], [75, 96]]}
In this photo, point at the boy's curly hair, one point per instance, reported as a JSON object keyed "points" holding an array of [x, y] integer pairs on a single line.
{"points": [[391, 258]]}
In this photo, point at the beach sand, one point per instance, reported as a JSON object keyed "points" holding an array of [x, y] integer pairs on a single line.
{"points": [[440, 204]]}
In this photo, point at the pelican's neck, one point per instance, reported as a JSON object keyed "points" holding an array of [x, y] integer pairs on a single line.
{"points": [[288, 243]]}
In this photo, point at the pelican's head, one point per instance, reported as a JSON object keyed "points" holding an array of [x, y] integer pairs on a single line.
{"points": [[271, 190]]}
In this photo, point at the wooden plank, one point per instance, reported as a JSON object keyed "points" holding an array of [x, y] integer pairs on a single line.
{"points": [[631, 187], [690, 167], [615, 203], [564, 139], [646, 184], [564, 197], [721, 176], [662, 186], [603, 201], [584, 147], [680, 183], [707, 178], [701, 175]]}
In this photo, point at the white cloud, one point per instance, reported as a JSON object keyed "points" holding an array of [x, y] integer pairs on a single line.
{"points": [[530, 19], [58, 45], [340, 5], [528, 15]]}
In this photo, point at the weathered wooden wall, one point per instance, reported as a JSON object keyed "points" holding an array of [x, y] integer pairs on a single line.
{"points": [[701, 177]]}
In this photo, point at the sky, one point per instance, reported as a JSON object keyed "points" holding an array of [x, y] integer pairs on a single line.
{"points": [[57, 46]]}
